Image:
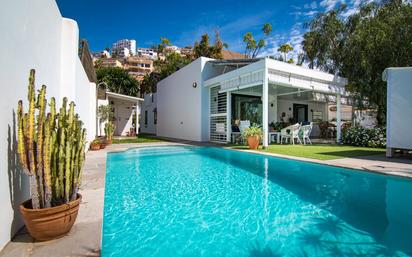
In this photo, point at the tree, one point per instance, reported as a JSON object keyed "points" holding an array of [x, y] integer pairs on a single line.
{"points": [[118, 80], [285, 49], [253, 47], [160, 48], [203, 48], [361, 46]]}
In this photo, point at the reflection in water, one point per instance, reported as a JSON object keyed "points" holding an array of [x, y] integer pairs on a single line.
{"points": [[358, 198]]}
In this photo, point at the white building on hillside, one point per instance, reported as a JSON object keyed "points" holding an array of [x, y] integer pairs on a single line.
{"points": [[207, 99], [120, 47], [147, 52]]}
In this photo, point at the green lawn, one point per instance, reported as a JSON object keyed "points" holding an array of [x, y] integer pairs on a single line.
{"points": [[319, 151], [138, 139]]}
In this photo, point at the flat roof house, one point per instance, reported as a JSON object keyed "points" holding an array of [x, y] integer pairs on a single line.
{"points": [[205, 99]]}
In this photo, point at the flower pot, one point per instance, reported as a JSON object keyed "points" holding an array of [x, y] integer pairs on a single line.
{"points": [[103, 145], [94, 147], [50, 223], [253, 142]]}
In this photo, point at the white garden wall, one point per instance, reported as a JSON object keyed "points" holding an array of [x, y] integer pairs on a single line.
{"points": [[399, 105], [34, 35]]}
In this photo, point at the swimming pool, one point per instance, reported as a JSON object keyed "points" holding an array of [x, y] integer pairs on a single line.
{"points": [[205, 201]]}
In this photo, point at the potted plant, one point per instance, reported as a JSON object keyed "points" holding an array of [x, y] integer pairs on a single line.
{"points": [[95, 145], [109, 131], [51, 149], [253, 135]]}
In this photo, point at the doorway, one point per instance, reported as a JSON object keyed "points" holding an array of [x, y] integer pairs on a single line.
{"points": [[300, 112]]}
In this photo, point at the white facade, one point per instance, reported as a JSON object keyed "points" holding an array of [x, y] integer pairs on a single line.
{"points": [[182, 102], [147, 52], [399, 103], [148, 116], [195, 102], [34, 35], [123, 44], [126, 110]]}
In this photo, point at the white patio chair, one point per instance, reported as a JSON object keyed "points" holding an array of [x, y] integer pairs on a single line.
{"points": [[292, 135], [305, 133], [244, 124]]}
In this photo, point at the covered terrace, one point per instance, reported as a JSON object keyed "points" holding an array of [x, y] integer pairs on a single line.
{"points": [[267, 91]]}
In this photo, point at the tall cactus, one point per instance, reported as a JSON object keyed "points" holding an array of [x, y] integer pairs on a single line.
{"points": [[51, 148]]}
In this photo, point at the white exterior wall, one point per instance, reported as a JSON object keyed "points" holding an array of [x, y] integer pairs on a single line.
{"points": [[399, 104], [179, 104], [34, 35], [284, 105], [149, 105]]}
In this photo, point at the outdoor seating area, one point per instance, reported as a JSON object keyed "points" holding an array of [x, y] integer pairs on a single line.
{"points": [[299, 133]]}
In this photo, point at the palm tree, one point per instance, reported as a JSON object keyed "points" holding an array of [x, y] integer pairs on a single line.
{"points": [[285, 49]]}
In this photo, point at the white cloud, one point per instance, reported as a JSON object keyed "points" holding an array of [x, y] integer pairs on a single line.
{"points": [[312, 5], [330, 4]]}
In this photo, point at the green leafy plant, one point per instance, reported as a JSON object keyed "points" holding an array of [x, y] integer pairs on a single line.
{"points": [[278, 126], [51, 148], [109, 131], [105, 113], [252, 131], [359, 136]]}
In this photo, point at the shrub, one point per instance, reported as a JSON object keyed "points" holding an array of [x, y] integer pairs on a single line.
{"points": [[358, 136], [251, 131]]}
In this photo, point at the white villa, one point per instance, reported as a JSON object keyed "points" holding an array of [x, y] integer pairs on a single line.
{"points": [[206, 100]]}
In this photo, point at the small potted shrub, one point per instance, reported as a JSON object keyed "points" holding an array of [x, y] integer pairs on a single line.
{"points": [[51, 149], [109, 131], [253, 134], [95, 145]]}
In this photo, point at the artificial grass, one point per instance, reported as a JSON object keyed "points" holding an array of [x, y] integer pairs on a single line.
{"points": [[319, 151], [136, 140]]}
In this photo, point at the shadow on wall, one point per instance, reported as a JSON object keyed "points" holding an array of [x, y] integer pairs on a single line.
{"points": [[18, 183]]}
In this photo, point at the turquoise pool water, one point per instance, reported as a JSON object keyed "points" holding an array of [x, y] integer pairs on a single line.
{"points": [[201, 201]]}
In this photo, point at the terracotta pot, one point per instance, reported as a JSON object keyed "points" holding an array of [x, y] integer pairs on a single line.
{"points": [[94, 147], [50, 223], [253, 142], [103, 145]]}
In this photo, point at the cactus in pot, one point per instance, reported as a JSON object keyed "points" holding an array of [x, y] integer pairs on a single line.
{"points": [[51, 149], [109, 131]]}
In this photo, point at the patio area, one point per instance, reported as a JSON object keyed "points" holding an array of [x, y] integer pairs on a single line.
{"points": [[274, 95]]}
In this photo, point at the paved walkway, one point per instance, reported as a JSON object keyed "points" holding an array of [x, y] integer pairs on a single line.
{"points": [[85, 237]]}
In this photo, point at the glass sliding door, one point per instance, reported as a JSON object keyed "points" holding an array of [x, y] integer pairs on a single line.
{"points": [[245, 107]]}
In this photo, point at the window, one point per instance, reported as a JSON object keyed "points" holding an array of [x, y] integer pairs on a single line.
{"points": [[155, 116], [152, 98], [145, 118]]}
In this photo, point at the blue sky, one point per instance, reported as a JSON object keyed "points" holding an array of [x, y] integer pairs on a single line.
{"points": [[102, 22]]}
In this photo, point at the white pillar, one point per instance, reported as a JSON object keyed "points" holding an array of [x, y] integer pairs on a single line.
{"points": [[137, 112], [338, 118], [265, 107], [275, 108], [228, 117]]}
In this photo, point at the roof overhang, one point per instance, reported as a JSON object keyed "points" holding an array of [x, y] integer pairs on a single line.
{"points": [[281, 74], [124, 97]]}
